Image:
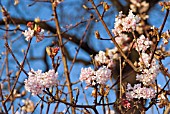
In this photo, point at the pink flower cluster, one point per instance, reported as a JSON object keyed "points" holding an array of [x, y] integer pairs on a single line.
{"points": [[125, 23], [140, 5], [91, 77], [142, 43], [103, 74], [87, 75], [148, 71], [139, 92], [39, 35], [38, 81], [103, 59], [125, 103], [29, 34], [121, 39], [149, 74]]}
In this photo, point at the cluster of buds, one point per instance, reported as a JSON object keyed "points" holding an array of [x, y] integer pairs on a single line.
{"points": [[103, 91], [162, 100], [28, 106], [52, 51], [15, 95], [166, 5], [125, 103], [166, 37]]}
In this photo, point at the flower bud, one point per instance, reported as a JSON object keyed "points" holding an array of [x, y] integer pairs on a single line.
{"points": [[85, 7], [30, 25], [37, 20], [106, 6], [97, 34], [94, 93], [52, 51]]}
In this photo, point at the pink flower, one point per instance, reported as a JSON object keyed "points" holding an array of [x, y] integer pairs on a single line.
{"points": [[28, 34], [38, 81], [103, 74], [142, 43], [113, 53], [148, 76], [144, 59], [125, 103], [91, 77], [121, 39], [130, 22], [39, 33], [139, 92], [149, 72], [125, 23], [87, 75], [101, 58]]}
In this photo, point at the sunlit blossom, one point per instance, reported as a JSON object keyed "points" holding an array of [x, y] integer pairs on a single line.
{"points": [[103, 74], [142, 43], [125, 23], [38, 81], [101, 58], [28, 34], [139, 92], [91, 77]]}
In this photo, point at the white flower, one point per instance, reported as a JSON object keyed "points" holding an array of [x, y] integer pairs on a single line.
{"points": [[148, 76], [103, 74], [125, 23], [121, 39], [38, 81], [101, 58], [28, 34], [139, 92], [144, 59], [91, 77], [87, 75], [142, 43]]}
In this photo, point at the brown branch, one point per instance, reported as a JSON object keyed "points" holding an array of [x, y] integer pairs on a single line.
{"points": [[64, 59]]}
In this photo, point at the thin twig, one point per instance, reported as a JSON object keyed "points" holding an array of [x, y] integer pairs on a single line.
{"points": [[120, 77], [81, 41], [160, 32]]}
